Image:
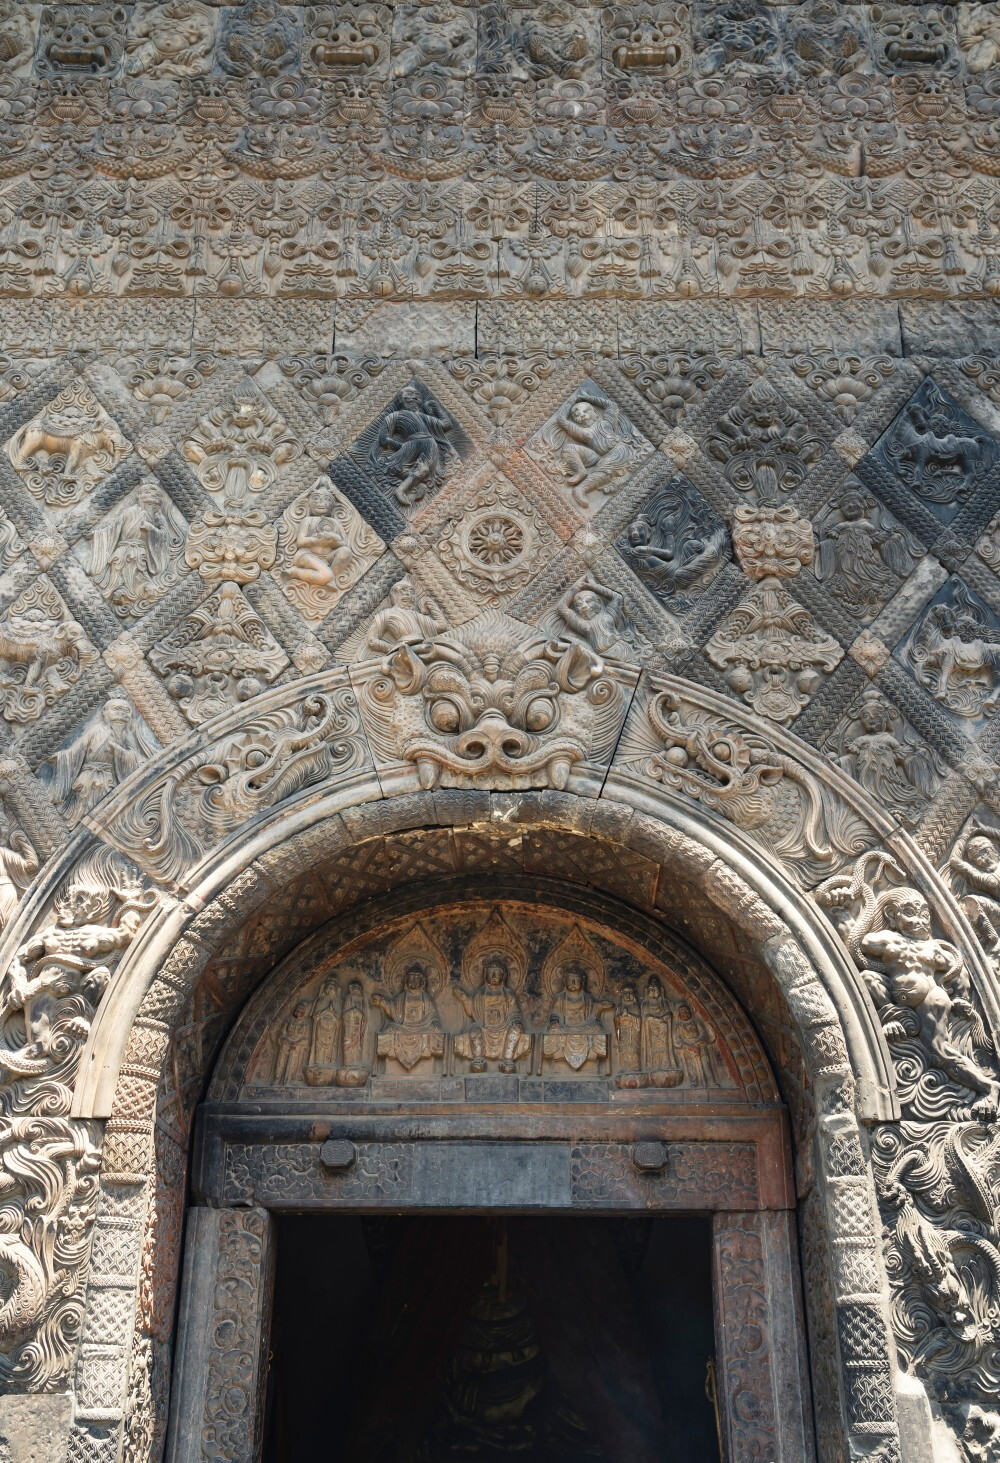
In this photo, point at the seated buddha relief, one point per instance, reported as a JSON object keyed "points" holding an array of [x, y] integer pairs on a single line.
{"points": [[486, 992]]}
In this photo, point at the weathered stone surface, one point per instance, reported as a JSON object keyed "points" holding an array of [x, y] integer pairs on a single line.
{"points": [[503, 443]]}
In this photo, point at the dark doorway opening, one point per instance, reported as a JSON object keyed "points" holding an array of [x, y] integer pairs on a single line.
{"points": [[486, 1340]]}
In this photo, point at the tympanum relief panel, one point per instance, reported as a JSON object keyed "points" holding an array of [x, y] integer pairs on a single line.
{"points": [[555, 1007]]}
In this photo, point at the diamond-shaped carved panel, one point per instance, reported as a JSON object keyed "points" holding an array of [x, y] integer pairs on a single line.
{"points": [[67, 448], [589, 446]]}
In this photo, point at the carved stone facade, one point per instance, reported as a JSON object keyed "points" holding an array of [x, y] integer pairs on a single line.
{"points": [[536, 466]]}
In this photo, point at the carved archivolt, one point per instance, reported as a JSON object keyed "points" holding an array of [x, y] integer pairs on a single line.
{"points": [[435, 1009]]}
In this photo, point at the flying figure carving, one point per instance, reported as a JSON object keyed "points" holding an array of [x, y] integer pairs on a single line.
{"points": [[412, 447]]}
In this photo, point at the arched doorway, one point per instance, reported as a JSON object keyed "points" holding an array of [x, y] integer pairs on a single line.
{"points": [[554, 1067]]}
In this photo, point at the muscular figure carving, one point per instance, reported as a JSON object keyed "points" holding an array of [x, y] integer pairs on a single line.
{"points": [[412, 447], [928, 978]]}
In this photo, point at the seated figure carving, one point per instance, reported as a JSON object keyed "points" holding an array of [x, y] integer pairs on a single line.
{"points": [[496, 1032], [576, 1035], [413, 1033]]}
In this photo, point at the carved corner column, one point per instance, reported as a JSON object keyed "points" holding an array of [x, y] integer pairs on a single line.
{"points": [[759, 1339], [223, 1331]]}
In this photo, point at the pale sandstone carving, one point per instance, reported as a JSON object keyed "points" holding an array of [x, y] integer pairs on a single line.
{"points": [[773, 652], [133, 553], [18, 36], [233, 544], [258, 39], [67, 448], [592, 446], [81, 44], [979, 35], [862, 555], [19, 863], [329, 381], [496, 1027], [42, 653], [594, 616], [763, 444], [573, 979], [494, 545], [736, 771], [271, 757], [493, 699], [974, 866], [919, 984], [587, 1022], [885, 756], [436, 38], [936, 1184], [408, 619], [650, 40], [239, 447], [104, 752], [413, 1033], [162, 379], [348, 37], [47, 1001], [325, 547], [772, 541], [219, 655], [174, 39], [542, 192]]}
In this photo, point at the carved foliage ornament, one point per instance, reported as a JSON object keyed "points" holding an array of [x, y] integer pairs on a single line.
{"points": [[498, 541], [239, 446], [773, 652], [735, 770], [771, 541], [221, 654], [763, 444]]}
